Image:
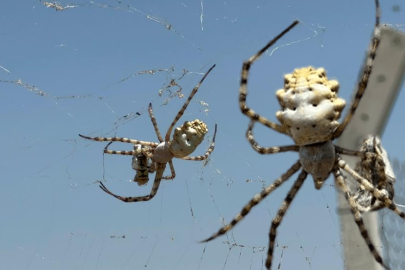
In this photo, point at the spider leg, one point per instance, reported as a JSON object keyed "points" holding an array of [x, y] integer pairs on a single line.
{"points": [[340, 182], [256, 200], [281, 212], [120, 139], [208, 152], [155, 126], [155, 187], [144, 151], [171, 170], [366, 73], [181, 112], [243, 85], [381, 196], [267, 150], [344, 151]]}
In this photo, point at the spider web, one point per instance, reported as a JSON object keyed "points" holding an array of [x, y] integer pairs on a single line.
{"points": [[92, 67]]}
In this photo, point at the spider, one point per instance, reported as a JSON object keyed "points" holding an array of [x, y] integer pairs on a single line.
{"points": [[309, 112], [149, 157]]}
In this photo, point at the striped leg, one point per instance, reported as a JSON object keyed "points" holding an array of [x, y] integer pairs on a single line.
{"points": [[180, 113], [172, 171], [146, 151], [120, 139], [256, 200], [243, 84], [155, 126], [366, 73], [340, 182], [155, 187], [207, 153], [267, 150], [281, 212], [381, 196], [348, 152]]}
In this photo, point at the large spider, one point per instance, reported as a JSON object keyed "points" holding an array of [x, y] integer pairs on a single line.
{"points": [[309, 112], [149, 157]]}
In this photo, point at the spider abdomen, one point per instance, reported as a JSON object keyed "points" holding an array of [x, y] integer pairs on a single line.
{"points": [[318, 160], [310, 106], [187, 138]]}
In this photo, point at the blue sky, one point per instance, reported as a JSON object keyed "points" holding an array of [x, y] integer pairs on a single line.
{"points": [[80, 71]]}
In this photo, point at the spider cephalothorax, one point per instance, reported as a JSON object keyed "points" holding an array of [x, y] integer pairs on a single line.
{"points": [[148, 157], [310, 110]]}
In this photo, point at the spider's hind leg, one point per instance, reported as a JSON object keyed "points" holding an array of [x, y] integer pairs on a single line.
{"points": [[255, 201], [280, 214], [155, 187], [340, 182]]}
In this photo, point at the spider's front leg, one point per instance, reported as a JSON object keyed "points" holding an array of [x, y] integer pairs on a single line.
{"points": [[154, 123], [120, 139], [183, 109], [367, 69], [267, 150], [244, 80], [158, 178]]}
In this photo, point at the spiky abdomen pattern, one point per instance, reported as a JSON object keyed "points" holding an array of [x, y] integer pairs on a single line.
{"points": [[310, 106]]}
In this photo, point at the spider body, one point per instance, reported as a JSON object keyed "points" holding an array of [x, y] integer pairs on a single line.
{"points": [[318, 160], [309, 112], [148, 157]]}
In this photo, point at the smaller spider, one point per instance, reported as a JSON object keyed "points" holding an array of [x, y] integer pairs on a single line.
{"points": [[374, 166], [149, 157]]}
